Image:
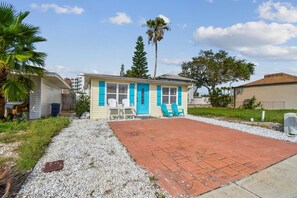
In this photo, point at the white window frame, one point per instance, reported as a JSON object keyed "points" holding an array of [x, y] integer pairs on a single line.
{"points": [[117, 91], [169, 94]]}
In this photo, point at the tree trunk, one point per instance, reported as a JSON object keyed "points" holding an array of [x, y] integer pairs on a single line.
{"points": [[3, 77], [156, 59]]}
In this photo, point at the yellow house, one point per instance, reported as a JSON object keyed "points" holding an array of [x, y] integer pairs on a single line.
{"points": [[274, 91], [145, 95]]}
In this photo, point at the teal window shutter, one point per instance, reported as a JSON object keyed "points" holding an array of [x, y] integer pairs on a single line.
{"points": [[159, 95], [132, 86], [101, 93], [179, 95]]}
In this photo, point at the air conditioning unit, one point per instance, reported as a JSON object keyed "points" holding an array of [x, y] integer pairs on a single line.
{"points": [[290, 123]]}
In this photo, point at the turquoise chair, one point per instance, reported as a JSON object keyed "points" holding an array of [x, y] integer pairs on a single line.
{"points": [[177, 111], [165, 111]]}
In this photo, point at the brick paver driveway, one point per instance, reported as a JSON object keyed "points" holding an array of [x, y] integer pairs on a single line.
{"points": [[190, 157]]}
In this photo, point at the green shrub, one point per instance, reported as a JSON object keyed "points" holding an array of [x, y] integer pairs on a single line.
{"points": [[82, 105], [219, 98], [252, 104]]}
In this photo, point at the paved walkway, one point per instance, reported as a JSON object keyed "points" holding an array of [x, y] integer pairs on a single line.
{"points": [[276, 181], [190, 157]]}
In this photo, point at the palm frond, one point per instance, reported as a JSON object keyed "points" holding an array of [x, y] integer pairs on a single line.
{"points": [[14, 90]]}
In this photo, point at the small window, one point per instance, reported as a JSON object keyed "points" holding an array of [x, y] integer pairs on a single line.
{"points": [[117, 91], [169, 95]]}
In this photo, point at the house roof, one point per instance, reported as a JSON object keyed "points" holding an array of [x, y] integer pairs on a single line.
{"points": [[174, 77], [273, 79], [57, 79], [88, 77]]}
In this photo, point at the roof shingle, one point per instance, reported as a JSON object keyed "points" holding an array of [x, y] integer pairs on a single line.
{"points": [[270, 79]]}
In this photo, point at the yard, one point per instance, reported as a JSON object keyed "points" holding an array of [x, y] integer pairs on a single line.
{"points": [[23, 143], [276, 116]]}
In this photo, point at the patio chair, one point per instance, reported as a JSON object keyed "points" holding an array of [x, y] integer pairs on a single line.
{"points": [[113, 110], [128, 111], [165, 111], [176, 111]]}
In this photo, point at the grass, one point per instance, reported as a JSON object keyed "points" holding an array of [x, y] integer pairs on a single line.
{"points": [[34, 137], [276, 116]]}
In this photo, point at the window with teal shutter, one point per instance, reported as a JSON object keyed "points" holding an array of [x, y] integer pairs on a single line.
{"points": [[179, 95], [101, 93], [132, 86], [159, 95]]}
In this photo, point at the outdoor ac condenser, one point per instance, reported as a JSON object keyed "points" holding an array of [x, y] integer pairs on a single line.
{"points": [[290, 123]]}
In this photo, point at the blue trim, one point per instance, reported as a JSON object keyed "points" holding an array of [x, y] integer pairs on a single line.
{"points": [[159, 95], [179, 94], [101, 93], [132, 94]]}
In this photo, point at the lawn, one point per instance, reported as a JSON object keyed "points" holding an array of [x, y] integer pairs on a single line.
{"points": [[276, 116], [33, 136]]}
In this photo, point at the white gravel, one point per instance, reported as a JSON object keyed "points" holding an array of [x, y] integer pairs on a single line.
{"points": [[96, 164], [247, 128]]}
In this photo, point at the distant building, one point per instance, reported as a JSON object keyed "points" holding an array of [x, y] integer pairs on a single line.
{"points": [[274, 91], [77, 84]]}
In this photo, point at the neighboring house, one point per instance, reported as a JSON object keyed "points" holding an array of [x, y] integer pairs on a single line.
{"points": [[274, 91], [145, 95], [47, 90]]}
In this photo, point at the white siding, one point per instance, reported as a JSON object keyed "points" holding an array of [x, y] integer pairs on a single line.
{"points": [[50, 93], [35, 99]]}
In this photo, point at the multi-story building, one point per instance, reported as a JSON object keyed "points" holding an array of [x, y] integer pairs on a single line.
{"points": [[78, 84]]}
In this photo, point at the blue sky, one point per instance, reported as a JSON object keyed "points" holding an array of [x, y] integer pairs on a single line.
{"points": [[96, 36]]}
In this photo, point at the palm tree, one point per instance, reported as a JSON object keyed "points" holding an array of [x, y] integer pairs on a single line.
{"points": [[17, 55], [155, 32]]}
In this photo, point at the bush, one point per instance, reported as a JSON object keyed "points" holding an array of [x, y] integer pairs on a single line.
{"points": [[82, 105], [219, 99], [251, 103]]}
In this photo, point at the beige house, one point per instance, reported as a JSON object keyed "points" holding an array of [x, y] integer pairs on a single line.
{"points": [[145, 95], [274, 91]]}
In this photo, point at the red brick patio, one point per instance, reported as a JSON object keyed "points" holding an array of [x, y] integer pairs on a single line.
{"points": [[190, 157]]}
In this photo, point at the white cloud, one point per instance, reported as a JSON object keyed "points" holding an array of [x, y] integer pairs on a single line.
{"points": [[172, 61], [120, 18], [277, 11], [254, 39], [166, 19], [58, 9], [210, 1]]}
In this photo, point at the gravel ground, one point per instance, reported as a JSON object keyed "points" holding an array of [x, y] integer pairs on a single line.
{"points": [[247, 128], [96, 164]]}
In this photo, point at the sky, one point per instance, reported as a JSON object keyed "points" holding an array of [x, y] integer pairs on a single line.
{"points": [[97, 36]]}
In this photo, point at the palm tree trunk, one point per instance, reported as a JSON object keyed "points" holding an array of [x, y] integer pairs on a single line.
{"points": [[156, 59], [3, 77]]}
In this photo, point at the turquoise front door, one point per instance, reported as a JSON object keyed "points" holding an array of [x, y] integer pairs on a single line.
{"points": [[142, 99]]}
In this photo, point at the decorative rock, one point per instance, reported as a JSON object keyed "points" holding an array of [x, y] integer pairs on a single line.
{"points": [[247, 128], [90, 170]]}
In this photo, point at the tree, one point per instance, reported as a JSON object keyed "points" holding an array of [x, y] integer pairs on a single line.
{"points": [[122, 72], [139, 68], [211, 69], [17, 55], [155, 32]]}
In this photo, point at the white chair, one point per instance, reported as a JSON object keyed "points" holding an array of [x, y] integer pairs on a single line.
{"points": [[128, 111], [113, 110]]}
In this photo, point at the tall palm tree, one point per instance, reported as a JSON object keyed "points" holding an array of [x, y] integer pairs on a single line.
{"points": [[155, 32], [17, 55]]}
